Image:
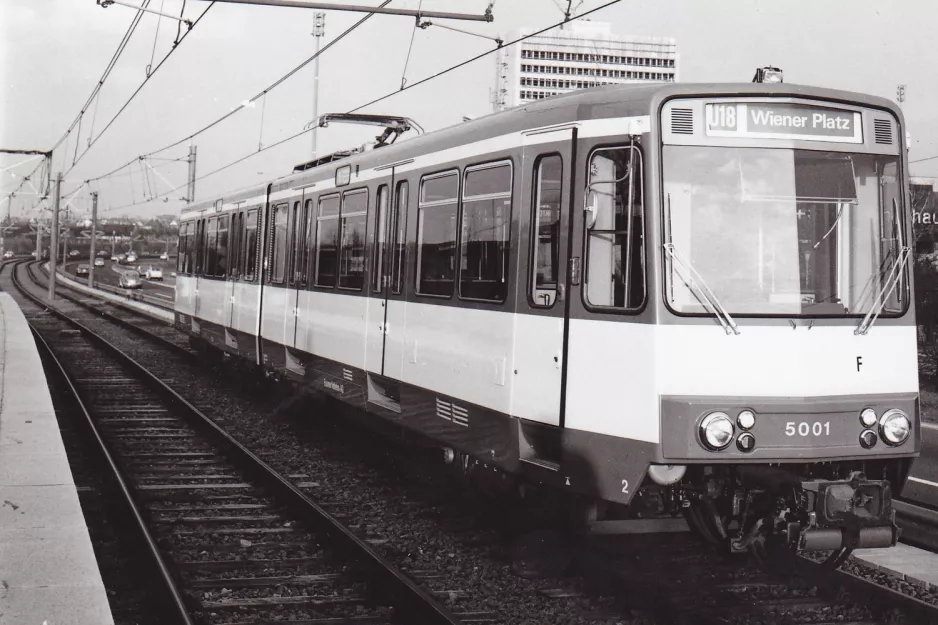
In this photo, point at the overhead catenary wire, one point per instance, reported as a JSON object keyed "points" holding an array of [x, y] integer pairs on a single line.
{"points": [[107, 72], [244, 105], [384, 97], [482, 55], [142, 84]]}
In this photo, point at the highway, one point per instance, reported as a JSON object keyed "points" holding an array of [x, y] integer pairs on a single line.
{"points": [[110, 273]]}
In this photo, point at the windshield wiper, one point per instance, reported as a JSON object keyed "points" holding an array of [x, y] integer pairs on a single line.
{"points": [[696, 283], [885, 291]]}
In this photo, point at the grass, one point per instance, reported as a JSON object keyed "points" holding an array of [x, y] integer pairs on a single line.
{"points": [[929, 405]]}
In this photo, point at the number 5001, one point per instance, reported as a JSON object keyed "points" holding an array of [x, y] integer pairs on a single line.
{"points": [[806, 429]]}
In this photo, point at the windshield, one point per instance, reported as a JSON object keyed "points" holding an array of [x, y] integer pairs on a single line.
{"points": [[784, 232]]}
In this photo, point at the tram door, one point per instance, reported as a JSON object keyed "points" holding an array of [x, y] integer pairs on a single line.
{"points": [[540, 328], [385, 323]]}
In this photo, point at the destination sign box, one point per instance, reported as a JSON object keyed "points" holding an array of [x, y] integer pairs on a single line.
{"points": [[783, 120]]}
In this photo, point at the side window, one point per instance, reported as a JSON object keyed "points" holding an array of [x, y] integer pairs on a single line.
{"points": [[300, 240], [398, 240], [379, 266], [615, 275], [309, 243], [250, 247], [327, 239], [892, 236], [208, 268], [199, 245], [234, 259], [545, 222], [484, 242], [181, 249], [279, 224], [436, 234], [352, 250], [221, 247], [295, 250]]}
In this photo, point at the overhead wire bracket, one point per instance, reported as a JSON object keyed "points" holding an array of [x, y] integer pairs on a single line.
{"points": [[106, 3]]}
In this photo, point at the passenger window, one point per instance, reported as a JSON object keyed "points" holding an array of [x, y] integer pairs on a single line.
{"points": [[237, 226], [209, 267], [486, 221], [546, 228], [250, 247], [299, 244], [199, 246], [310, 214], [221, 247], [398, 241], [352, 250], [436, 234], [380, 266], [615, 275], [327, 239], [181, 249], [279, 227]]}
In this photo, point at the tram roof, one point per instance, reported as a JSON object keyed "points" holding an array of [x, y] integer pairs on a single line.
{"points": [[595, 103]]}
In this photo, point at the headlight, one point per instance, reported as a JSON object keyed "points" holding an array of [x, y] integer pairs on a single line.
{"points": [[716, 431], [746, 420], [868, 417], [895, 427]]}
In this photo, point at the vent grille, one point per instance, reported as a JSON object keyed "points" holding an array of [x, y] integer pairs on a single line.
{"points": [[347, 375], [452, 412], [882, 129], [682, 121]]}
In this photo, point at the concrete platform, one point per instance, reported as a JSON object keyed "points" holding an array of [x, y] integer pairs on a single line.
{"points": [[916, 566], [48, 571]]}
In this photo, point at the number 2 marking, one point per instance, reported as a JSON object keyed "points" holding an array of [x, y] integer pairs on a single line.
{"points": [[625, 486]]}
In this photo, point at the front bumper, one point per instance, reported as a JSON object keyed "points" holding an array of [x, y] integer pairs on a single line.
{"points": [[793, 429]]}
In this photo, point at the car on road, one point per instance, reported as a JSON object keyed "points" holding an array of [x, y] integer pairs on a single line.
{"points": [[74, 254], [131, 257], [9, 254], [82, 269], [130, 280], [164, 256], [103, 253], [99, 262], [152, 272], [122, 259], [114, 257]]}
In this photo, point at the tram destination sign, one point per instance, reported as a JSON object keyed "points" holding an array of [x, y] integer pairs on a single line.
{"points": [[783, 120]]}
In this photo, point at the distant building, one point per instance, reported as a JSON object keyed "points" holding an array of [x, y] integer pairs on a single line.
{"points": [[581, 55]]}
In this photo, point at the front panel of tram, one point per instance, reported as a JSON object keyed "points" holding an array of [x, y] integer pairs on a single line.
{"points": [[786, 365]]}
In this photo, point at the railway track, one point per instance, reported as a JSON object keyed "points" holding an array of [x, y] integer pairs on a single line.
{"points": [[236, 541], [681, 583]]}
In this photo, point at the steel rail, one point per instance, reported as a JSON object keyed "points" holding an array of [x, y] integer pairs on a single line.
{"points": [[179, 605], [110, 316], [389, 583]]}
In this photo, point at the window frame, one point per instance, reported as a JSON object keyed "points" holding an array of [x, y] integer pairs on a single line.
{"points": [[315, 260], [271, 274], [451, 171], [534, 236], [493, 164], [398, 277], [249, 270], [584, 298], [340, 244], [226, 219], [379, 249]]}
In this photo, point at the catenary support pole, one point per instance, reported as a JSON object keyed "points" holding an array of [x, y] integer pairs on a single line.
{"points": [[94, 236], [54, 244]]}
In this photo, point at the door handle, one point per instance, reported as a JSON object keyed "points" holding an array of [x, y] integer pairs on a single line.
{"points": [[560, 292]]}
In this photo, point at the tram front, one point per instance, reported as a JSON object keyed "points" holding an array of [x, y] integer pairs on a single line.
{"points": [[787, 366]]}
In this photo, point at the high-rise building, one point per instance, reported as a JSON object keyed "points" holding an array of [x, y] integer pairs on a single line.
{"points": [[581, 55]]}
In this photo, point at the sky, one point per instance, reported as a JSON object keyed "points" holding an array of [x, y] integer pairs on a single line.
{"points": [[53, 52]]}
